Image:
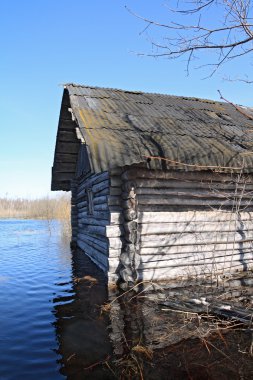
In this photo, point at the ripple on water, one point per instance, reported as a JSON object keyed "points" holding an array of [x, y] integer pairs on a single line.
{"points": [[35, 269]]}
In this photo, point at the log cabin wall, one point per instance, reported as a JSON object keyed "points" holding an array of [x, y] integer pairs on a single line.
{"points": [[97, 218], [191, 223]]}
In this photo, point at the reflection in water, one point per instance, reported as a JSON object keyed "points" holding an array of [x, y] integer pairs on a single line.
{"points": [[133, 336], [81, 329]]}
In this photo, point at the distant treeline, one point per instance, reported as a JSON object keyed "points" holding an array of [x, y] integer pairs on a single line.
{"points": [[42, 208]]}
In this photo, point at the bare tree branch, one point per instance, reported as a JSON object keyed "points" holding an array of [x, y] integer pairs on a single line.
{"points": [[230, 36], [239, 109]]}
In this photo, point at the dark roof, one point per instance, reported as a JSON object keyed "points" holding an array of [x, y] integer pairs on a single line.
{"points": [[125, 127]]}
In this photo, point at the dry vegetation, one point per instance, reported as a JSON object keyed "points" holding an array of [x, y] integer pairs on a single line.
{"points": [[43, 208]]}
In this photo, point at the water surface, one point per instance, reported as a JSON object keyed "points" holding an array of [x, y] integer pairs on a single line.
{"points": [[35, 269]]}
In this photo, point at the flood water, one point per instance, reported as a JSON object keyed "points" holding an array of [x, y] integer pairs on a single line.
{"points": [[59, 320], [35, 270]]}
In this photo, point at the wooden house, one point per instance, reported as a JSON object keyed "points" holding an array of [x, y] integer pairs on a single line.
{"points": [[161, 185]]}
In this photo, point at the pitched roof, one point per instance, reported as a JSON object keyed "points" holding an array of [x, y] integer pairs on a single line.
{"points": [[125, 127]]}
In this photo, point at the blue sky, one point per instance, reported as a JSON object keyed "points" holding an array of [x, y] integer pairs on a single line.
{"points": [[47, 43]]}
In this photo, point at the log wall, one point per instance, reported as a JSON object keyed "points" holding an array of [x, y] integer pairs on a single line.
{"points": [[156, 225], [192, 223], [97, 218]]}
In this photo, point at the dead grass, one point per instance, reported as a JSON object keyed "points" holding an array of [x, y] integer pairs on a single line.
{"points": [[42, 208]]}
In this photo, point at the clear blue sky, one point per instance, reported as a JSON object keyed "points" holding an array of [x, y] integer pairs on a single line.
{"points": [[50, 42]]}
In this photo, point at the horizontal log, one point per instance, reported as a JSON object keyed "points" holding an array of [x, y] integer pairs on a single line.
{"points": [[116, 218], [100, 186], [82, 210], [70, 147], [66, 157], [208, 260], [103, 199], [133, 173], [145, 183], [192, 249], [187, 207], [114, 253], [88, 220], [80, 195], [108, 231], [101, 243], [92, 180], [109, 191], [96, 215], [100, 260], [192, 216], [116, 171], [159, 274], [193, 193], [65, 166], [192, 239], [113, 264], [115, 243], [82, 204], [67, 136], [101, 207], [197, 256], [194, 227], [93, 244], [115, 191], [174, 200], [111, 200], [62, 176], [114, 231], [115, 181], [112, 218], [114, 208]]}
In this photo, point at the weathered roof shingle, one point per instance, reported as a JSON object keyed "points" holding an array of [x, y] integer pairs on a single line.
{"points": [[122, 128]]}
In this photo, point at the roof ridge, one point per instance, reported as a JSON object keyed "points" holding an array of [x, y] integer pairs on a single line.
{"points": [[194, 98]]}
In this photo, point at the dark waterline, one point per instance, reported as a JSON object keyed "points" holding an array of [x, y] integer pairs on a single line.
{"points": [[35, 271]]}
